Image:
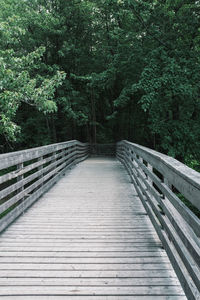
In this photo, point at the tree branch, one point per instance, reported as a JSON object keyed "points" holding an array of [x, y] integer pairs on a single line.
{"points": [[140, 19]]}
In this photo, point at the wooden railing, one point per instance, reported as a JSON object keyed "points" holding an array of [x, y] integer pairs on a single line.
{"points": [[160, 180], [26, 175]]}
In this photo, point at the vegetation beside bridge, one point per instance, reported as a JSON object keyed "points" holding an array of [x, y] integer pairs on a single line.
{"points": [[101, 71]]}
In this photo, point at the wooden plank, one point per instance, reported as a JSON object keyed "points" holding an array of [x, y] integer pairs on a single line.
{"points": [[89, 282], [101, 291], [88, 273], [85, 254], [83, 260], [73, 235], [83, 244], [56, 297], [86, 248], [84, 266], [60, 230]]}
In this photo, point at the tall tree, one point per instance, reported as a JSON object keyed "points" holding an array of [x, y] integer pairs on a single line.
{"points": [[132, 71], [19, 81]]}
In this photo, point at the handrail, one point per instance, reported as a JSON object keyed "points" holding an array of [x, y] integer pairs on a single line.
{"points": [[27, 174], [157, 178]]}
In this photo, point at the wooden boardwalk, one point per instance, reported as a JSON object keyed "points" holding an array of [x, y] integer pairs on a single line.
{"points": [[88, 237]]}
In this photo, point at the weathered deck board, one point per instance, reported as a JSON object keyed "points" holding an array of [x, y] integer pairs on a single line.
{"points": [[95, 297], [89, 237]]}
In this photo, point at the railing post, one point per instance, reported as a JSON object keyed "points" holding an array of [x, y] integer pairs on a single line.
{"points": [[40, 168], [19, 178], [151, 170], [19, 168], [54, 157], [63, 153], [76, 153], [166, 181]]}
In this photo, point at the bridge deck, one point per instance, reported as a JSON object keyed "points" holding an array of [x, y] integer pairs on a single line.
{"points": [[89, 237]]}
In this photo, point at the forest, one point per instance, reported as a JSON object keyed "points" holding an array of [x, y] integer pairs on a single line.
{"points": [[101, 71]]}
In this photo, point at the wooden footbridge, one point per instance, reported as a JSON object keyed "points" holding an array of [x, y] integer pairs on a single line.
{"points": [[100, 232]]}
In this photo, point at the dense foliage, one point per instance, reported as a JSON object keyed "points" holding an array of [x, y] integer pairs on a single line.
{"points": [[101, 70]]}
